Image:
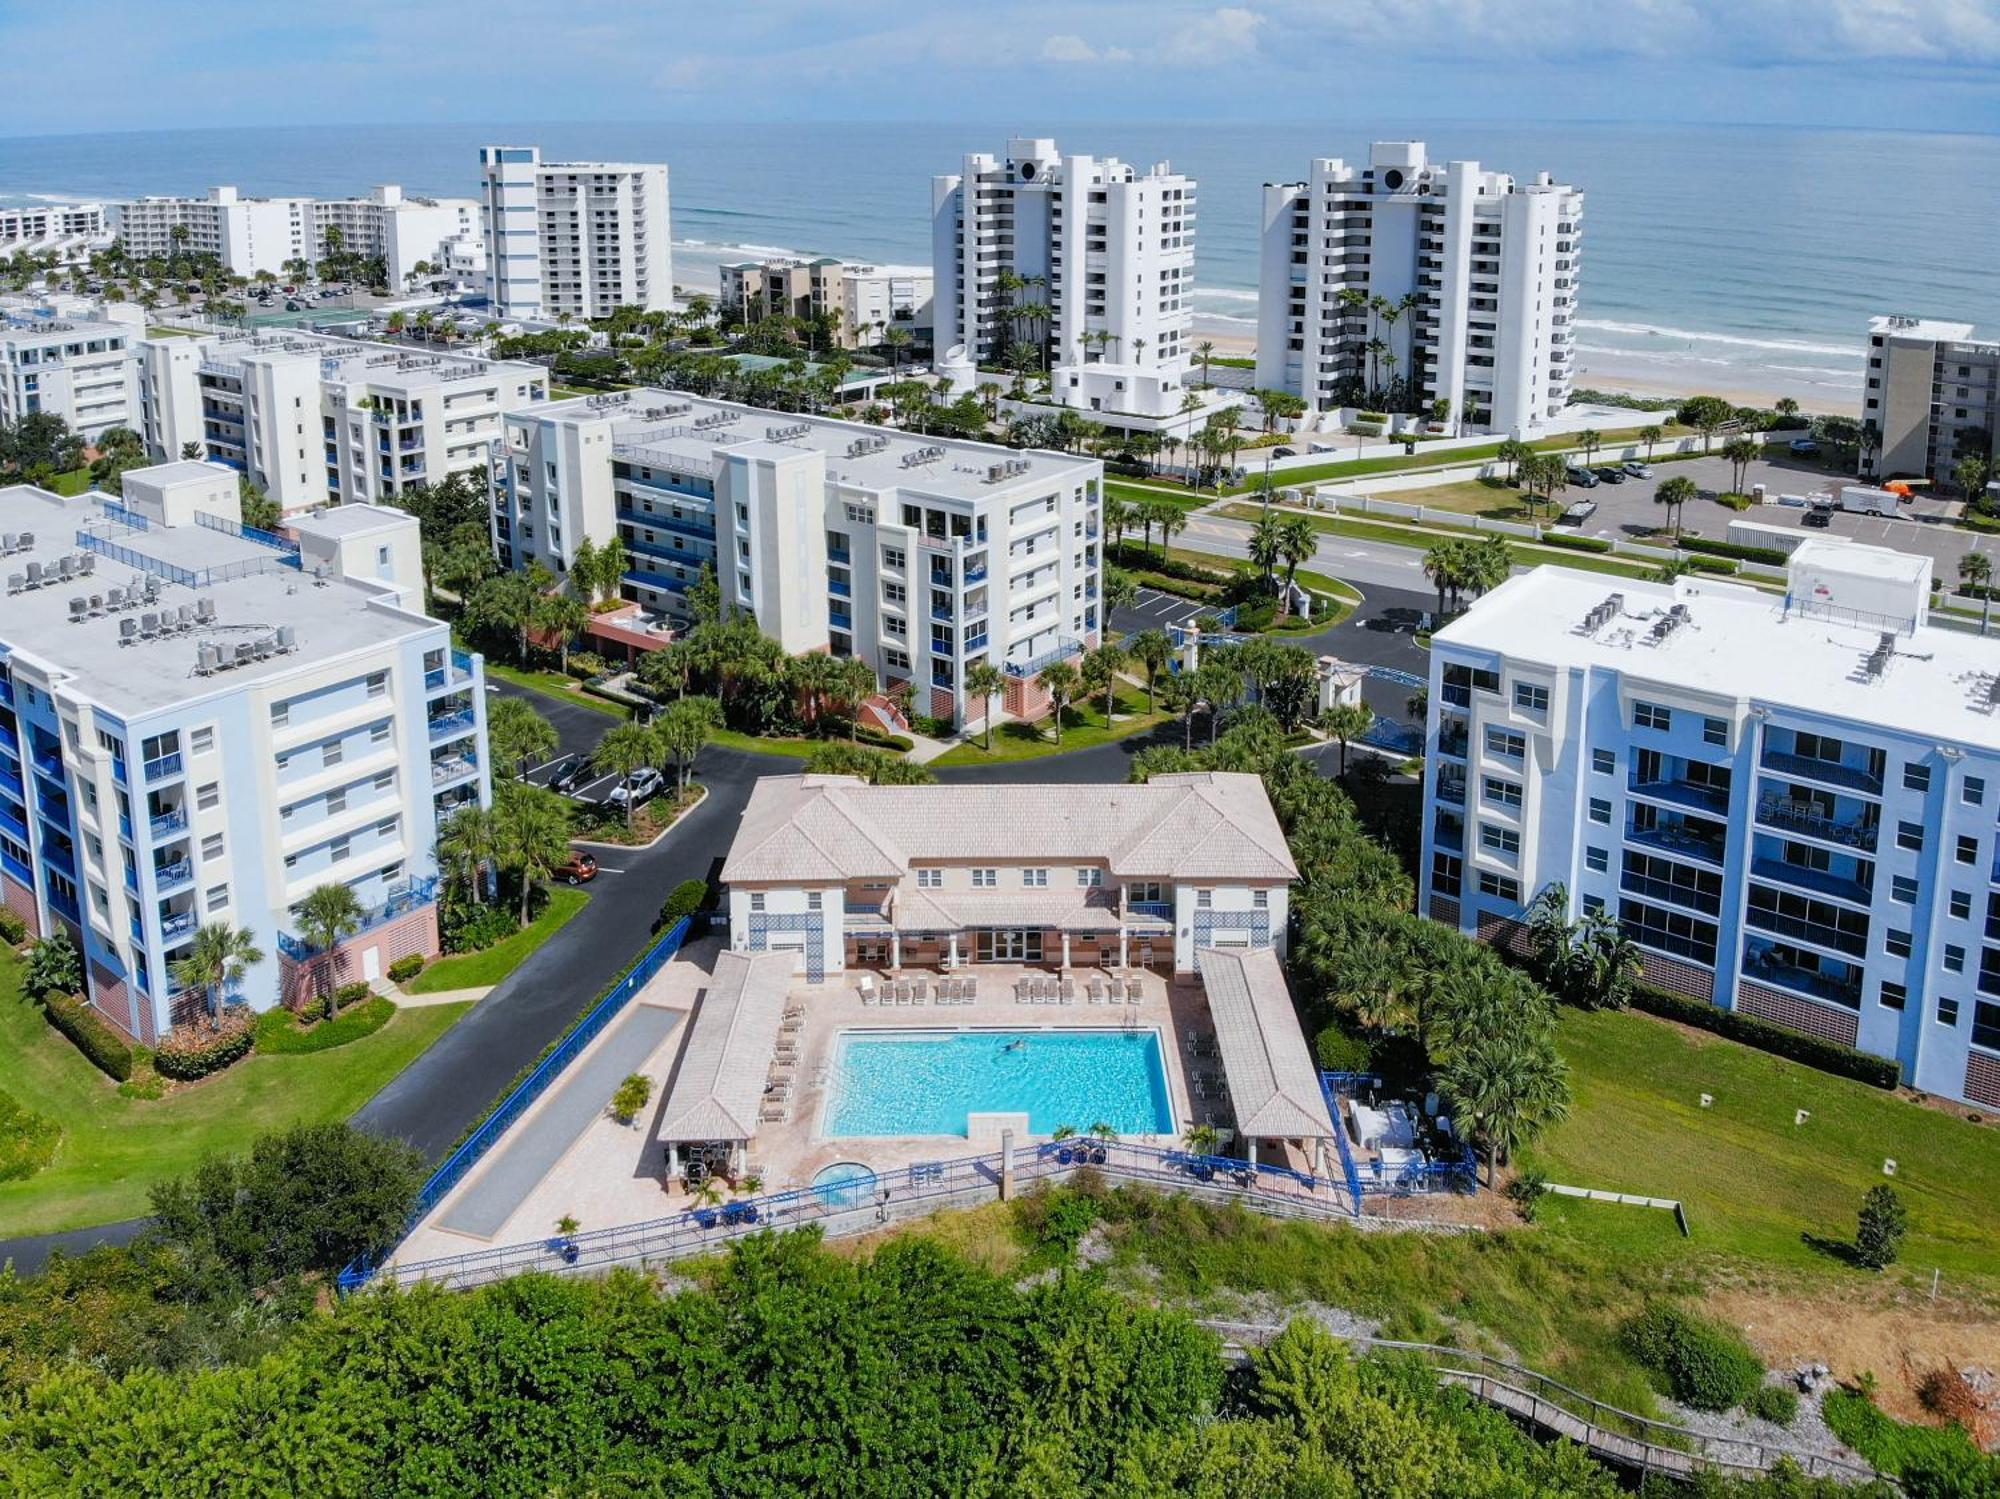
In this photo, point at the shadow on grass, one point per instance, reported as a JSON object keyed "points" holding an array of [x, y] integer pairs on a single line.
{"points": [[1842, 1250]]}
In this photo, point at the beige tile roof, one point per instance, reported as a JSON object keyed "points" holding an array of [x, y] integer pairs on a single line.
{"points": [[1273, 1084], [824, 829], [720, 1082]]}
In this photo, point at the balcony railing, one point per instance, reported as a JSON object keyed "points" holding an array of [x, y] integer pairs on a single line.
{"points": [[1761, 968], [451, 725], [839, 554], [976, 573], [1451, 790], [1453, 745], [1805, 818], [178, 924], [453, 768], [1163, 909], [1819, 881], [1062, 650], [839, 589], [1672, 893], [162, 767], [48, 764], [976, 641], [172, 876], [1854, 944], [1684, 793], [169, 823], [1827, 772], [411, 897], [1677, 840]]}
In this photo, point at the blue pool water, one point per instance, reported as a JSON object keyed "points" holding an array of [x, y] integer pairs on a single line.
{"points": [[926, 1082], [844, 1184]]}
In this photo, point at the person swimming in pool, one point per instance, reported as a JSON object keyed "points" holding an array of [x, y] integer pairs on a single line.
{"points": [[1015, 1045]]}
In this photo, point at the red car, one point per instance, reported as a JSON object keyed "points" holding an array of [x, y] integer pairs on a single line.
{"points": [[580, 870]]}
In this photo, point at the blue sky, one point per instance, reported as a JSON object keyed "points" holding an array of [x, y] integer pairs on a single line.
{"points": [[94, 65]]}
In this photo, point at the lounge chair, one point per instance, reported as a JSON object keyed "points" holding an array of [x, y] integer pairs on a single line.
{"points": [[921, 991], [1132, 990], [867, 990]]}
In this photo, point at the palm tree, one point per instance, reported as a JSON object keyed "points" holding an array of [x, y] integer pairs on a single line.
{"points": [[1511, 453], [516, 732], [1103, 1132], [985, 681], [534, 835], [1589, 439], [624, 751], [1153, 650], [1266, 550], [1503, 1090], [469, 839], [1443, 565], [1201, 1139], [218, 955], [1205, 351], [1347, 722], [681, 731], [1674, 493], [1100, 673], [1173, 521], [1182, 697], [1298, 543], [1649, 434], [1741, 453], [1060, 681], [563, 618], [1975, 570], [328, 915]]}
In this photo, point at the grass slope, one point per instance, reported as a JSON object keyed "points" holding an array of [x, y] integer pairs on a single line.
{"points": [[476, 969], [114, 1148], [1083, 726], [1754, 1182], [555, 685]]}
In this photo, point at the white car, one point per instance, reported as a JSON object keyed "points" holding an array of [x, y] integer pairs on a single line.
{"points": [[638, 788]]}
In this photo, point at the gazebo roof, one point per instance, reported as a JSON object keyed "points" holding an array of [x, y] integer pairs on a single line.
{"points": [[720, 1082], [1272, 1080]]}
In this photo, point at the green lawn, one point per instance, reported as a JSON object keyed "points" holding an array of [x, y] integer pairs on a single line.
{"points": [[1423, 537], [114, 1148], [1083, 726], [796, 748], [72, 483], [1354, 468], [553, 684], [478, 969], [162, 330], [1754, 1182], [1145, 493]]}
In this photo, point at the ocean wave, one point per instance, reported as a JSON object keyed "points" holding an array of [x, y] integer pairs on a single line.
{"points": [[736, 247], [1733, 340], [1226, 293], [1223, 317]]}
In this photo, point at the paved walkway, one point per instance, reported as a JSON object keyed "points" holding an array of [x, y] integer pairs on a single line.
{"points": [[541, 1140], [408, 1001]]}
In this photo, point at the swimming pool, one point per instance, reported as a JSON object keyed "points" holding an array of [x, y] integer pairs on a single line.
{"points": [[926, 1082]]}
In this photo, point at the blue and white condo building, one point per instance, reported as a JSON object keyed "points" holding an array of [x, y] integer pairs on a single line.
{"points": [[203, 723], [1789, 803]]}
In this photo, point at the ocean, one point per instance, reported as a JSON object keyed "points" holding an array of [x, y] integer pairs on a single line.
{"points": [[1735, 257]]}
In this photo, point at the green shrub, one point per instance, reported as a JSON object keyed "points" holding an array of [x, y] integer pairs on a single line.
{"points": [[1734, 501], [631, 1097], [1827, 1056], [1526, 1192], [104, 1047], [685, 899], [351, 994], [1721, 566], [1575, 543], [1131, 553], [1340, 1050], [13, 930], [1700, 1363], [191, 1052], [470, 928], [1776, 1403], [584, 665], [929, 727], [877, 739], [54, 966], [1883, 1224], [277, 1033], [406, 968], [1371, 416], [1934, 1462], [1736, 549]]}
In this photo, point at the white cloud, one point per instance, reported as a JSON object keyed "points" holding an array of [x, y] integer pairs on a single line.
{"points": [[1222, 35], [1069, 47]]}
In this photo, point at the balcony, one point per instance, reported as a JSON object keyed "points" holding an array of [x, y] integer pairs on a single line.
{"points": [[49, 763], [1819, 934], [165, 825], [12, 823], [453, 768], [64, 905], [456, 674], [1682, 793], [163, 767], [176, 924], [1806, 819], [1825, 772], [11, 782], [1818, 881], [839, 589], [976, 573], [452, 725], [1453, 744], [656, 580], [839, 619], [1763, 966], [1449, 832], [401, 902], [1688, 897], [173, 876], [1451, 789], [839, 554], [6, 690], [16, 868], [941, 612], [1163, 909], [1673, 838]]}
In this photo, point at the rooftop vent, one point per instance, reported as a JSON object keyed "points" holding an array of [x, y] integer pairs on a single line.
{"points": [[1602, 614], [1879, 658], [786, 434]]}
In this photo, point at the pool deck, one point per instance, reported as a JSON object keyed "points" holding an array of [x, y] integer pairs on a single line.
{"points": [[614, 1174]]}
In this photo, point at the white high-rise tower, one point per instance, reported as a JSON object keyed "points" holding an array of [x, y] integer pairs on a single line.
{"points": [[576, 237]]}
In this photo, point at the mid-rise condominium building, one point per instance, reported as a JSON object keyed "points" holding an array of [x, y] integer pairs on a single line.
{"points": [[1788, 804], [573, 238], [82, 369], [70, 231], [1485, 269], [919, 555], [864, 301], [250, 234], [316, 420], [199, 724], [1107, 250], [1932, 395]]}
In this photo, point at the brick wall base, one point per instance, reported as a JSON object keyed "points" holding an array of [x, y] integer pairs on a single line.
{"points": [[1677, 976], [1796, 1012], [1504, 931], [111, 997], [19, 899], [413, 932], [1982, 1080], [1444, 909], [942, 705]]}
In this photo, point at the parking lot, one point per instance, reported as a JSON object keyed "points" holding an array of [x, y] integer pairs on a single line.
{"points": [[1629, 511], [1153, 610]]}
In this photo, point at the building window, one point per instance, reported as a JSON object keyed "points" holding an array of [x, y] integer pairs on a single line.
{"points": [[1961, 905], [208, 797], [331, 753], [281, 714], [1917, 777], [201, 741], [1910, 835], [1446, 871], [1503, 793], [1531, 699], [930, 879], [1986, 1024], [1500, 887], [1598, 860], [1592, 904], [378, 684], [1968, 849], [1035, 879], [1947, 1010], [756, 900], [1604, 761], [1903, 890], [1499, 840], [1896, 943], [812, 900], [1972, 791], [379, 734], [1600, 810], [1715, 731], [985, 879], [337, 850], [216, 897], [1089, 879], [211, 846], [1652, 716], [1204, 899], [1505, 743], [1954, 958], [893, 557], [1260, 900], [1894, 996]]}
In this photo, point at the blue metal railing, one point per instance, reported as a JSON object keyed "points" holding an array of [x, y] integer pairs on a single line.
{"points": [[161, 766], [1332, 1086], [173, 876], [177, 924], [125, 517], [250, 533], [16, 868], [417, 894], [530, 1088], [187, 577], [169, 822], [1161, 908], [1062, 650], [447, 724]]}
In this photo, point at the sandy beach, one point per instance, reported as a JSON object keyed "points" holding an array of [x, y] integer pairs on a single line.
{"points": [[1629, 376]]}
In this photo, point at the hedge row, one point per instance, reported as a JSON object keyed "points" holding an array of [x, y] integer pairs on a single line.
{"points": [[1796, 1046], [1736, 549], [190, 1053], [1723, 566], [105, 1048], [407, 967], [1575, 543], [1131, 554], [878, 739]]}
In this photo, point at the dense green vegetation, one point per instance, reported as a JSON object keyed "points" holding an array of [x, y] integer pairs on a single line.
{"points": [[1939, 1460], [492, 964]]}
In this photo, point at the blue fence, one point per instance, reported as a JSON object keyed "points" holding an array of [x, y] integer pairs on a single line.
{"points": [[1441, 1173], [250, 533], [1333, 1085], [530, 1088], [187, 577]]}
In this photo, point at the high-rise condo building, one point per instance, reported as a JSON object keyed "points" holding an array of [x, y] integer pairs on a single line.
{"points": [[70, 231], [922, 556], [1787, 803], [1931, 396], [573, 238], [1481, 270], [201, 724], [249, 234], [316, 420], [84, 369], [1085, 260]]}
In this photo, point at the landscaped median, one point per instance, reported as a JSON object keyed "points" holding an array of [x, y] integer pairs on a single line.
{"points": [[475, 970]]}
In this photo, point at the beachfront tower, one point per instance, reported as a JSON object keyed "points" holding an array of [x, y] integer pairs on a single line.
{"points": [[573, 237]]}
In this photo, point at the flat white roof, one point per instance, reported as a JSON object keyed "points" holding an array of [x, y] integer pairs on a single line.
{"points": [[350, 520], [1937, 330], [1740, 643], [355, 361], [21, 329]]}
